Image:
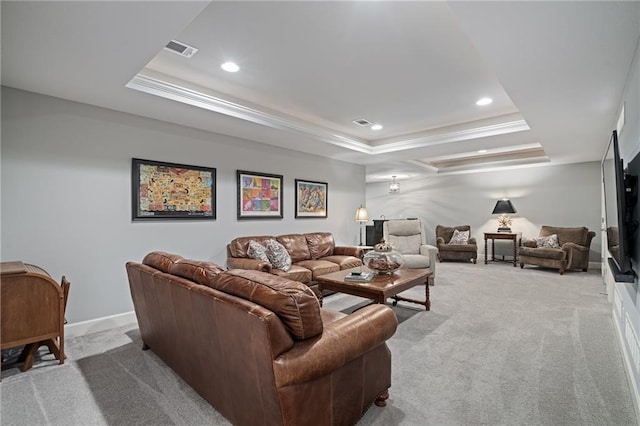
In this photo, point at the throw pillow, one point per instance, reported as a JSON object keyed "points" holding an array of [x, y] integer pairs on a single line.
{"points": [[459, 237], [257, 251], [278, 255], [548, 242]]}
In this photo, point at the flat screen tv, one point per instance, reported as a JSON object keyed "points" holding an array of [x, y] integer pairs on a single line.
{"points": [[619, 199]]}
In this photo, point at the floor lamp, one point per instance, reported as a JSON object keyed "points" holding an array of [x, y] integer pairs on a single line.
{"points": [[361, 216]]}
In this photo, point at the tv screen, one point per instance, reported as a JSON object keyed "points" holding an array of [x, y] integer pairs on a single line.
{"points": [[617, 212]]}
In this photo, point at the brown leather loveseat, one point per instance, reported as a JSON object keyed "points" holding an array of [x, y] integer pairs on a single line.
{"points": [[312, 254], [259, 347]]}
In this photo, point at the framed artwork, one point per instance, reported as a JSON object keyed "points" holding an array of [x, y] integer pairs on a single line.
{"points": [[311, 198], [259, 195], [172, 191]]}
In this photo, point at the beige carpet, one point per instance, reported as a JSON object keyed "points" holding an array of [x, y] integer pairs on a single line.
{"points": [[501, 346]]}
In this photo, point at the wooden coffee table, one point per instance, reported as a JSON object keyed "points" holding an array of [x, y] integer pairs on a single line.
{"points": [[381, 287]]}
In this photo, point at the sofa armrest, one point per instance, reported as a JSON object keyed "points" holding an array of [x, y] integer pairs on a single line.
{"points": [[440, 240], [348, 251], [529, 243], [574, 246], [341, 342], [473, 241], [432, 253], [246, 263]]}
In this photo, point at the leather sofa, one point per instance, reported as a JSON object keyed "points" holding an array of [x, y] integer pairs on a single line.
{"points": [[312, 254], [572, 251], [258, 347]]}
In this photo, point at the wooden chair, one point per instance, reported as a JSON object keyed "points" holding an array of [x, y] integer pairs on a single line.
{"points": [[32, 310]]}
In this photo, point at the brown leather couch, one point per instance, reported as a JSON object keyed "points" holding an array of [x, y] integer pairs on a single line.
{"points": [[312, 254], [573, 252], [259, 347]]}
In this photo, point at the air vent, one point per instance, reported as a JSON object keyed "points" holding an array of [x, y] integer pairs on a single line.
{"points": [[362, 122], [181, 48]]}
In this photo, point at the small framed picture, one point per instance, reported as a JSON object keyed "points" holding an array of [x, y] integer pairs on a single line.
{"points": [[172, 191], [311, 199], [259, 195]]}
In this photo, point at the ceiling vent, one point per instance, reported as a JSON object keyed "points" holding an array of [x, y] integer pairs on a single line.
{"points": [[362, 122], [181, 48]]}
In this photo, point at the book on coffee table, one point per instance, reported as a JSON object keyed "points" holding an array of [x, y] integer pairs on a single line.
{"points": [[360, 277]]}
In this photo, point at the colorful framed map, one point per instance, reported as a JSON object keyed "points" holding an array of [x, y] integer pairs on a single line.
{"points": [[311, 199], [259, 195], [172, 191]]}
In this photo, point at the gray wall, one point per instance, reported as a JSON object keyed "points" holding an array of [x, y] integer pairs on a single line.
{"points": [[625, 296], [66, 194], [563, 195]]}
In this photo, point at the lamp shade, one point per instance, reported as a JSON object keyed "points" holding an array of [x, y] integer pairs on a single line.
{"points": [[361, 214], [503, 206]]}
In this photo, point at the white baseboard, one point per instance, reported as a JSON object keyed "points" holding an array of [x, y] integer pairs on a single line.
{"points": [[628, 367], [99, 324]]}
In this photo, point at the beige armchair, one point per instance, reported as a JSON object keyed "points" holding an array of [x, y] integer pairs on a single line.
{"points": [[447, 251], [408, 237], [570, 252]]}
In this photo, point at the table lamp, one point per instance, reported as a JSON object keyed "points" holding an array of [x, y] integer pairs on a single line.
{"points": [[504, 207]]}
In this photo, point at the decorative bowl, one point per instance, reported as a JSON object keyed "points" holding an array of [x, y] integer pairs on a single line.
{"points": [[383, 259]]}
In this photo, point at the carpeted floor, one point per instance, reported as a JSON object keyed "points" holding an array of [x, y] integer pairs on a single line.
{"points": [[500, 346]]}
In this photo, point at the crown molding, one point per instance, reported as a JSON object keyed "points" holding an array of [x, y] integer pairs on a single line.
{"points": [[197, 97]]}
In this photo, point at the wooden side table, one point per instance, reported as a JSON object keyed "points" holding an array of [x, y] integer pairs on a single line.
{"points": [[513, 236]]}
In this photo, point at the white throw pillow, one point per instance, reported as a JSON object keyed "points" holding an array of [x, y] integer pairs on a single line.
{"points": [[548, 242], [278, 255], [459, 237], [257, 251]]}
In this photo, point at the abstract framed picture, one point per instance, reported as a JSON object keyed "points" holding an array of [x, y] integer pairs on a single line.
{"points": [[311, 199], [172, 191], [259, 195]]}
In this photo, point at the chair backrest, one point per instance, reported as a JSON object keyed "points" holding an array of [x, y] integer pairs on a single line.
{"points": [[405, 236]]}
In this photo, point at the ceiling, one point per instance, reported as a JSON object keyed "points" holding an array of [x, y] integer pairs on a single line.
{"points": [[555, 71]]}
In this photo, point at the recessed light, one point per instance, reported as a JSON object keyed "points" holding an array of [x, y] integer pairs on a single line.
{"points": [[484, 101], [230, 67], [376, 127]]}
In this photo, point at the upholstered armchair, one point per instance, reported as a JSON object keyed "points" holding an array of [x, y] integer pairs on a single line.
{"points": [[408, 237], [450, 250], [560, 248]]}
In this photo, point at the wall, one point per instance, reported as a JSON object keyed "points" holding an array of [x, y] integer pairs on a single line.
{"points": [[625, 296], [563, 195], [66, 194]]}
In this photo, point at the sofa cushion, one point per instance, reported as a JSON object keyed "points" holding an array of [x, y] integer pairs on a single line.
{"points": [[321, 244], [406, 244], [344, 261], [278, 255], [239, 246], [543, 253], [257, 251], [199, 271], [160, 260], [548, 242], [459, 237], [295, 273], [293, 302], [319, 267], [296, 245]]}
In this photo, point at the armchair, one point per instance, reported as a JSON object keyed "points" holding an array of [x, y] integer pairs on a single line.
{"points": [[571, 252], [32, 310], [408, 237], [447, 251]]}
